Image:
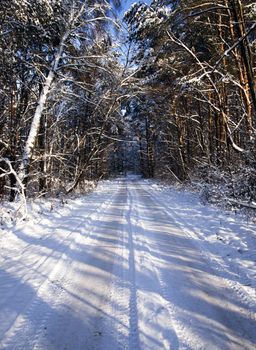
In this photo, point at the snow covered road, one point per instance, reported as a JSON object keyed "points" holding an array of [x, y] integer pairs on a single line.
{"points": [[123, 269]]}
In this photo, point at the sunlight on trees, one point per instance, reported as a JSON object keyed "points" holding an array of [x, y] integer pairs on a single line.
{"points": [[169, 92]]}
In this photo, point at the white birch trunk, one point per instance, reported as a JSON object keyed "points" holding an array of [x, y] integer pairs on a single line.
{"points": [[31, 140], [30, 143]]}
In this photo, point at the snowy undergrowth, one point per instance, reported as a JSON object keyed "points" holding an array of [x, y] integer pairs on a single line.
{"points": [[39, 211], [227, 238], [12, 213], [233, 189]]}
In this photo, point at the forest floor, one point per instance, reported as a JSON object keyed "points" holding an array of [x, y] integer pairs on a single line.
{"points": [[133, 265]]}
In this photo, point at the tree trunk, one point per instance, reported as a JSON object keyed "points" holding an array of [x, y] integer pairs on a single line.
{"points": [[31, 140], [237, 9]]}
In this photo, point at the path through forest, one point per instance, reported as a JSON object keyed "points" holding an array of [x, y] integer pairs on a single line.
{"points": [[122, 269]]}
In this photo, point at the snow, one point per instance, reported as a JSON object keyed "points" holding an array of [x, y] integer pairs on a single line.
{"points": [[133, 265], [225, 237]]}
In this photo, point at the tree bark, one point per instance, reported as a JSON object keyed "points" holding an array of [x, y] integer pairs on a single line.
{"points": [[35, 125], [237, 9]]}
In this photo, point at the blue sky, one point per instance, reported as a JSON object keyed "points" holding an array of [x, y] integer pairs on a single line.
{"points": [[127, 3]]}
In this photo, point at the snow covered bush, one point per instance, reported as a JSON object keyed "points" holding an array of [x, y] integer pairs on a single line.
{"points": [[233, 187]]}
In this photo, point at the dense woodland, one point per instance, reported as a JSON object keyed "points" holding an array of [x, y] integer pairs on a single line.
{"points": [[60, 94], [168, 92], [197, 108]]}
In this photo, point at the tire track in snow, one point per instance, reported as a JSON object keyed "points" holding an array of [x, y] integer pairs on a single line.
{"points": [[119, 297], [134, 342], [48, 293], [239, 335], [218, 265], [63, 284], [28, 260], [176, 337]]}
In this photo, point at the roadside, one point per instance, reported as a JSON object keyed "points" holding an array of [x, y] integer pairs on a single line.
{"points": [[228, 238]]}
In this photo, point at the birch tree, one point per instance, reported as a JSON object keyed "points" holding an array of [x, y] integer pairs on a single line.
{"points": [[57, 70], [77, 16]]}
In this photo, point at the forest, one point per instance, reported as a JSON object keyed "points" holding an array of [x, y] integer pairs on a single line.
{"points": [[167, 91]]}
